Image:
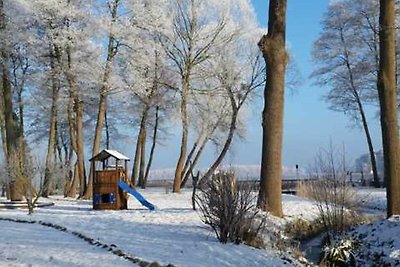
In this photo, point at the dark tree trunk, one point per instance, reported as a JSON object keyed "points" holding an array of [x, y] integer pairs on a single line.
{"points": [[152, 149], [107, 130], [138, 154], [228, 142], [184, 139], [10, 121], [142, 164], [370, 146], [193, 164], [388, 105], [361, 111], [52, 128], [272, 45], [111, 52], [75, 107]]}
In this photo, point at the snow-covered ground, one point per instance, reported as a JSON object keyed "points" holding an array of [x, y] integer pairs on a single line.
{"points": [[373, 198], [172, 234], [37, 245], [379, 243]]}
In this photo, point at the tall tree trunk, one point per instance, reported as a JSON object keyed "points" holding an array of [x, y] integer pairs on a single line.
{"points": [[4, 142], [75, 124], [227, 145], [52, 128], [81, 147], [193, 163], [272, 45], [21, 127], [111, 52], [361, 111], [388, 105], [107, 130], [189, 158], [184, 140], [153, 146], [10, 122], [370, 145], [2, 126], [72, 183], [141, 138], [142, 164]]}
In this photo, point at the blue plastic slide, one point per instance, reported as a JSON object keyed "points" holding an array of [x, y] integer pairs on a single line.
{"points": [[136, 194]]}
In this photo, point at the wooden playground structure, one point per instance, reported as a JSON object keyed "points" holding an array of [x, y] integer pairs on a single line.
{"points": [[106, 193], [111, 183]]}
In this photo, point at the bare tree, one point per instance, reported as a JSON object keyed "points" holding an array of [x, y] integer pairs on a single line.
{"points": [[112, 49], [47, 179], [347, 62], [273, 48], [230, 77], [388, 104], [188, 47], [11, 123]]}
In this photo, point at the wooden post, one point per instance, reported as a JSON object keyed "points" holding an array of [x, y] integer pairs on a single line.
{"points": [[126, 170], [94, 170]]}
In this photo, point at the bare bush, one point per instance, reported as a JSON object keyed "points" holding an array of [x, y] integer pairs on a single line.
{"points": [[333, 196], [301, 229], [230, 209], [23, 171]]}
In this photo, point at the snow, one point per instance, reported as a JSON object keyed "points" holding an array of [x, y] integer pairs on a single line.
{"points": [[172, 234], [37, 245], [379, 243], [373, 198]]}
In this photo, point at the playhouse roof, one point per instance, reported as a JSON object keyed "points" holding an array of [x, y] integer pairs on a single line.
{"points": [[106, 153]]}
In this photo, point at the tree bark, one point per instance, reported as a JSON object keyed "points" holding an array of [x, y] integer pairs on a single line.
{"points": [[272, 45], [52, 128], [107, 130], [189, 159], [227, 145], [80, 146], [2, 126], [142, 164], [10, 121], [138, 154], [76, 126], [184, 140], [152, 149], [193, 164], [370, 145], [111, 52], [388, 105], [362, 114], [72, 184]]}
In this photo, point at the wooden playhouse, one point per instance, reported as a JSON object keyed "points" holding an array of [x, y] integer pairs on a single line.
{"points": [[110, 167]]}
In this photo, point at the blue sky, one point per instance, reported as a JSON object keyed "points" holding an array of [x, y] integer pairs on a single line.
{"points": [[308, 124]]}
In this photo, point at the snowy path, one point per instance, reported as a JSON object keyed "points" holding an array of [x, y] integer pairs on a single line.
{"points": [[174, 233], [24, 244]]}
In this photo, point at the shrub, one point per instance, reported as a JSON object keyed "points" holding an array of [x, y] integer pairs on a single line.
{"points": [[340, 253], [230, 209], [333, 196], [302, 230]]}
